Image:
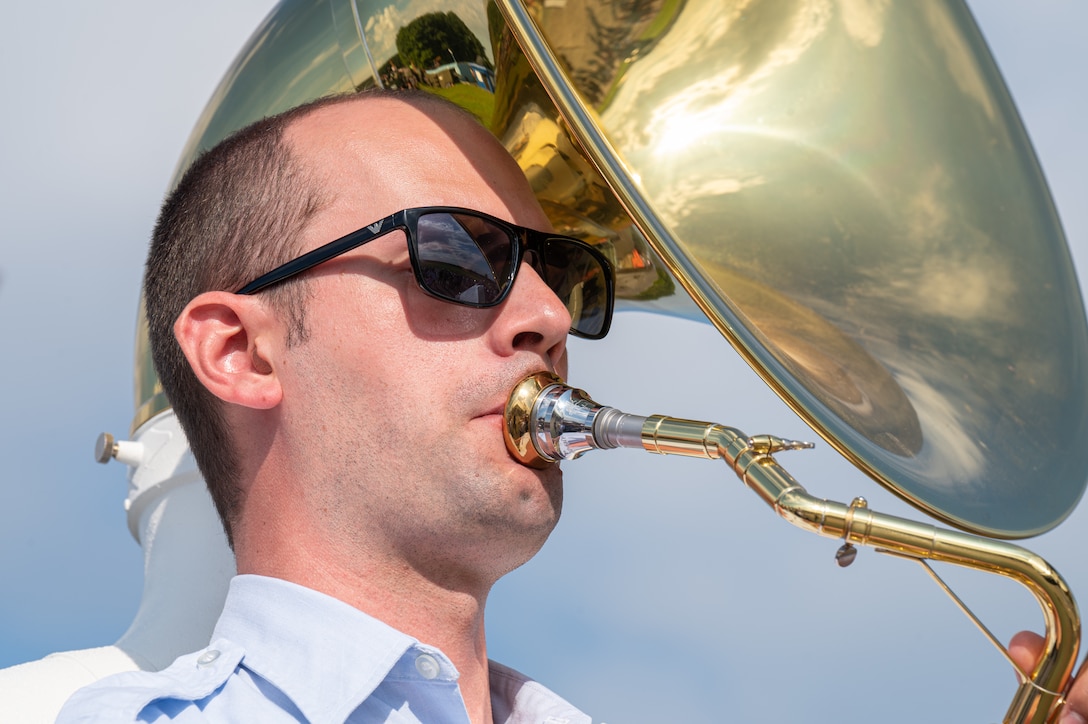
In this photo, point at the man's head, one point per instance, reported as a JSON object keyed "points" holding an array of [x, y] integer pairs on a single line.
{"points": [[347, 391]]}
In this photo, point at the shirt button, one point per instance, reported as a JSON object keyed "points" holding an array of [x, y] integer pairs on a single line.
{"points": [[427, 666], [207, 657]]}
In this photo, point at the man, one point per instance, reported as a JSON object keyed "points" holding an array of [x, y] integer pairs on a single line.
{"points": [[348, 417], [346, 413]]}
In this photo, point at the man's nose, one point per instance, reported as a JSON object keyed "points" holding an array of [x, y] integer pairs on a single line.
{"points": [[532, 318]]}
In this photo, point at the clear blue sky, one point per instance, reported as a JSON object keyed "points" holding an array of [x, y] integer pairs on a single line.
{"points": [[668, 593]]}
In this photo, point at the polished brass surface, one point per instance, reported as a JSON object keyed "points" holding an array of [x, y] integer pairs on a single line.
{"points": [[1039, 698], [517, 430], [865, 164], [843, 189]]}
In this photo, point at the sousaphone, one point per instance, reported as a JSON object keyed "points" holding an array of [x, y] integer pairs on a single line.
{"points": [[843, 189]]}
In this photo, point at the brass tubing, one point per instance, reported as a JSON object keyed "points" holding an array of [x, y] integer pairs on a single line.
{"points": [[1036, 701], [532, 425], [670, 436]]}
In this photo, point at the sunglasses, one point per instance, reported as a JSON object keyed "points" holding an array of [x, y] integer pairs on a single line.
{"points": [[470, 258]]}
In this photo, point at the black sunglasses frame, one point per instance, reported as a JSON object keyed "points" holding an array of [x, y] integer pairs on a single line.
{"points": [[522, 239]]}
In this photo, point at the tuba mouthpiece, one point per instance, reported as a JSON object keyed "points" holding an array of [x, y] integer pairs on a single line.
{"points": [[548, 421]]}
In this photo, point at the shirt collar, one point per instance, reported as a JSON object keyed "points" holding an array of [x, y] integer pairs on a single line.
{"points": [[320, 629], [324, 634]]}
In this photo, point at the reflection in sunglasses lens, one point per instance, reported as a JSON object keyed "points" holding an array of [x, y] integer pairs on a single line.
{"points": [[578, 280], [469, 260], [460, 265]]}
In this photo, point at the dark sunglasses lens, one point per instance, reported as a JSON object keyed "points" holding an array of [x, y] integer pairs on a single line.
{"points": [[463, 259], [581, 282]]}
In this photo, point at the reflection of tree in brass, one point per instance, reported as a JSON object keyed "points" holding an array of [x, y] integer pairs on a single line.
{"points": [[438, 38]]}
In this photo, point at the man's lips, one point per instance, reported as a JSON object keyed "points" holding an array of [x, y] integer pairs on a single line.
{"points": [[499, 406]]}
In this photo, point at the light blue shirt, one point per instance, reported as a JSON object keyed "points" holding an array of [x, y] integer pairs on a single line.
{"points": [[284, 653]]}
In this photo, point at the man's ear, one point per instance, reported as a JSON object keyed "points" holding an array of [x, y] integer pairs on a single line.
{"points": [[228, 339]]}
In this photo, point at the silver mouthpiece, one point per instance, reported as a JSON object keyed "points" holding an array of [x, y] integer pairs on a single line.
{"points": [[547, 421]]}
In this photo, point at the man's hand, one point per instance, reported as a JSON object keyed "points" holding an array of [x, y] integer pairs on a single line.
{"points": [[1025, 649]]}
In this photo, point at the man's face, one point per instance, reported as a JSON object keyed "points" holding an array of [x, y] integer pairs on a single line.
{"points": [[395, 399]]}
